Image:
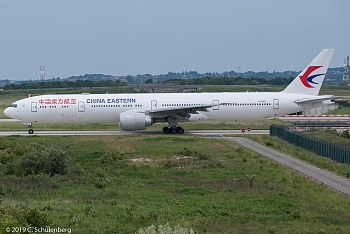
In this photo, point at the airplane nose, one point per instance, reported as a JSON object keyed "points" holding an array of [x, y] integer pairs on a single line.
{"points": [[7, 112]]}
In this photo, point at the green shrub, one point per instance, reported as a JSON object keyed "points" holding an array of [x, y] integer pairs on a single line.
{"points": [[15, 148], [20, 150], [345, 134], [77, 169], [4, 144], [88, 211], [42, 161], [37, 218], [202, 156], [5, 156], [111, 157], [31, 159], [23, 217], [185, 152], [101, 179], [1, 194], [170, 163], [8, 221], [250, 179]]}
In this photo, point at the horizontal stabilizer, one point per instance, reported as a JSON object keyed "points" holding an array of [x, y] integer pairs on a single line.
{"points": [[314, 99]]}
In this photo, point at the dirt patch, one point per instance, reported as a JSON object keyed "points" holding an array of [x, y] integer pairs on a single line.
{"points": [[141, 160], [182, 157]]}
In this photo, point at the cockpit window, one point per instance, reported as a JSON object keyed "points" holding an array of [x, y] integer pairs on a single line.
{"points": [[13, 105]]}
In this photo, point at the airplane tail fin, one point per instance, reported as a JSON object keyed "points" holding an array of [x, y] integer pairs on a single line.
{"points": [[310, 80]]}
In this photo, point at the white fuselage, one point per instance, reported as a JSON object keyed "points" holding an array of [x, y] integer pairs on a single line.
{"points": [[107, 107]]}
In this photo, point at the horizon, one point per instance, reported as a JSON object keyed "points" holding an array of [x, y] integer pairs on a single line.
{"points": [[219, 73]]}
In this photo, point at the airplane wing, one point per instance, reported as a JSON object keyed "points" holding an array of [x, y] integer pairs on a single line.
{"points": [[182, 111], [314, 99]]}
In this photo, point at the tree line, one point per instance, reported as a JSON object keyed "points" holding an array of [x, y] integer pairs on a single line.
{"points": [[66, 84], [193, 81], [228, 81]]}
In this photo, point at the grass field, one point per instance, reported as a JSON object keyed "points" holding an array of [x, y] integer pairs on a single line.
{"points": [[299, 153], [343, 109], [330, 136], [341, 90], [191, 181]]}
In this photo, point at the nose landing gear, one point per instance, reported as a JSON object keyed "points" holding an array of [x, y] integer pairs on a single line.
{"points": [[30, 126]]}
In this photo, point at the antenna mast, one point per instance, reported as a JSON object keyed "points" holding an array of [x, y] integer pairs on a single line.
{"points": [[42, 74]]}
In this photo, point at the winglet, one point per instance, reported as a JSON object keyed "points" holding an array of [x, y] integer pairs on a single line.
{"points": [[310, 80]]}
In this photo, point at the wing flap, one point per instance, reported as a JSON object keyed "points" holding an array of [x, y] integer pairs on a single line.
{"points": [[179, 110]]}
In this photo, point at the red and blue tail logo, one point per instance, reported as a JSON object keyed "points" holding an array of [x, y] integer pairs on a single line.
{"points": [[306, 79]]}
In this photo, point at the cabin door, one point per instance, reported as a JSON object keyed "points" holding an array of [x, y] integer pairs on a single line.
{"points": [[34, 107], [153, 104], [81, 106], [276, 104], [215, 102]]}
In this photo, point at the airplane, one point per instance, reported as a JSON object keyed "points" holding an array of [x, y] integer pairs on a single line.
{"points": [[137, 111]]}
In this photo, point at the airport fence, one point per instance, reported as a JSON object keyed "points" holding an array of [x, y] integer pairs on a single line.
{"points": [[318, 146]]}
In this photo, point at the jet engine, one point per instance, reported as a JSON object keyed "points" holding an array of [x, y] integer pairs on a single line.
{"points": [[133, 120]]}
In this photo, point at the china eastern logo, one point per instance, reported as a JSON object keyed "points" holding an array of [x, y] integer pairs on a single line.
{"points": [[306, 79]]}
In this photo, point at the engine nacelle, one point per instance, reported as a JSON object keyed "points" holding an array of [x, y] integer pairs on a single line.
{"points": [[133, 120]]}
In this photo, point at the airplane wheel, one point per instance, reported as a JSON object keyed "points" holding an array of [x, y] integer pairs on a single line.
{"points": [[180, 130], [173, 130], [166, 130], [30, 131]]}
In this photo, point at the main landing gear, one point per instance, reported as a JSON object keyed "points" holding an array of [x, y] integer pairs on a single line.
{"points": [[173, 130], [172, 121]]}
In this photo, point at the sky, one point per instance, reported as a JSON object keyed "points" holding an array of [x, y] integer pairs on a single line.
{"points": [[130, 37]]}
